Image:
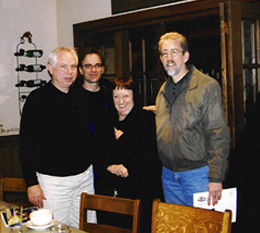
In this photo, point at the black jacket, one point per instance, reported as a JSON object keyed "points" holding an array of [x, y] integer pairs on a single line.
{"points": [[136, 149]]}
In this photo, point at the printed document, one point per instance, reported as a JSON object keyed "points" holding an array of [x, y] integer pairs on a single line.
{"points": [[227, 201]]}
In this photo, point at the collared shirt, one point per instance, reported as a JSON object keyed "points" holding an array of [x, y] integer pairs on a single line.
{"points": [[172, 89]]}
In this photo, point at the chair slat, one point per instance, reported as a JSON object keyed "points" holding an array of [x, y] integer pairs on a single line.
{"points": [[14, 187], [110, 204]]}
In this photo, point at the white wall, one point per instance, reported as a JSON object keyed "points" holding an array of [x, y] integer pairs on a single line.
{"points": [[77, 11], [17, 17], [50, 22]]}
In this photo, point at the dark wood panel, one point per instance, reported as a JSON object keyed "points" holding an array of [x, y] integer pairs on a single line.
{"points": [[119, 6], [149, 17], [9, 157]]}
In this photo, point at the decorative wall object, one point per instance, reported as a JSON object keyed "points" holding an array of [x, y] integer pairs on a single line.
{"points": [[26, 82]]}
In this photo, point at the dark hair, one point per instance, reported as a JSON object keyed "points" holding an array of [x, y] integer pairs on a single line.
{"points": [[121, 83], [90, 51]]}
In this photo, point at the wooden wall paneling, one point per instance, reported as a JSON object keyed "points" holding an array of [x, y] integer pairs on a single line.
{"points": [[144, 72], [9, 156], [234, 71], [129, 5], [252, 11], [121, 41], [223, 38], [160, 30], [148, 17]]}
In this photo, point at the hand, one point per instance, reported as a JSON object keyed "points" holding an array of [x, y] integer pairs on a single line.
{"points": [[215, 192], [118, 133], [118, 169], [150, 108], [36, 195]]}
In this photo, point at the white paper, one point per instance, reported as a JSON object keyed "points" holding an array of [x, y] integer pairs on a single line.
{"points": [[227, 201]]}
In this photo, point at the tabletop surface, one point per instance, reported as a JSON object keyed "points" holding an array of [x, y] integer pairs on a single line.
{"points": [[4, 229]]}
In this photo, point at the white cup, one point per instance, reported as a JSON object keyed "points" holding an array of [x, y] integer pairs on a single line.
{"points": [[41, 217]]}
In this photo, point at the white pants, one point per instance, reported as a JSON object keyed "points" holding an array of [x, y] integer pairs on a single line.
{"points": [[63, 195]]}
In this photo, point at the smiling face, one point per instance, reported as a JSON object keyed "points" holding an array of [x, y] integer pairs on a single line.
{"points": [[173, 59], [64, 71], [92, 68], [123, 101]]}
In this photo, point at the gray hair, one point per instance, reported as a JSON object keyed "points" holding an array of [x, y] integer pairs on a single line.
{"points": [[52, 59]]}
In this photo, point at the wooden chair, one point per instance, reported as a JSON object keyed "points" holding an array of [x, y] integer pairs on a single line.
{"points": [[109, 204], [175, 218], [14, 186]]}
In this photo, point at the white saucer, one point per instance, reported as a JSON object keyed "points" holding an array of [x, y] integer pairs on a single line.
{"points": [[30, 225]]}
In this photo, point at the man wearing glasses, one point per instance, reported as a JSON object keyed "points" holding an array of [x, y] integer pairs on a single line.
{"points": [[91, 68], [192, 134], [96, 101]]}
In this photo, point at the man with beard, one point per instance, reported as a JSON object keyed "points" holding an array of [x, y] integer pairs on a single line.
{"points": [[192, 134]]}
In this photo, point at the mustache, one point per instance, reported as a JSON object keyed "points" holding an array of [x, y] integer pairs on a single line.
{"points": [[171, 62]]}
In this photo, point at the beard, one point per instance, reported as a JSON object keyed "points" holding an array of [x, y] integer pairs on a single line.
{"points": [[172, 69]]}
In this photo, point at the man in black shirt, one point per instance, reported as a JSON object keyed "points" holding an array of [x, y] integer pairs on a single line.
{"points": [[54, 148], [96, 98]]}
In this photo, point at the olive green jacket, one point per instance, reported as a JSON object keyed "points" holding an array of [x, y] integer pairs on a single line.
{"points": [[193, 132]]}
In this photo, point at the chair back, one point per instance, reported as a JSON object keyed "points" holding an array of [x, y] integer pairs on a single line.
{"points": [[109, 204], [13, 186], [168, 217]]}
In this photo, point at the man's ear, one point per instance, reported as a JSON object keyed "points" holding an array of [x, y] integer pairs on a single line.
{"points": [[50, 68], [102, 69], [80, 70], [186, 56]]}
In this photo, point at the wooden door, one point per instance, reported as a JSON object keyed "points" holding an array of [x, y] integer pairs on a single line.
{"points": [[232, 16]]}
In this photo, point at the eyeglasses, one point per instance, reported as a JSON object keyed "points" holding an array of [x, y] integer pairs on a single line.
{"points": [[173, 53], [90, 67]]}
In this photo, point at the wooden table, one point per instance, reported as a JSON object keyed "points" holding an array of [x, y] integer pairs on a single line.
{"points": [[4, 229]]}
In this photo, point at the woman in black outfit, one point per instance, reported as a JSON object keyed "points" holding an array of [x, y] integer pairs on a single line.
{"points": [[133, 169]]}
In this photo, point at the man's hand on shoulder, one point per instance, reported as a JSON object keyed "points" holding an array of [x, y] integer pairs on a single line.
{"points": [[150, 108]]}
